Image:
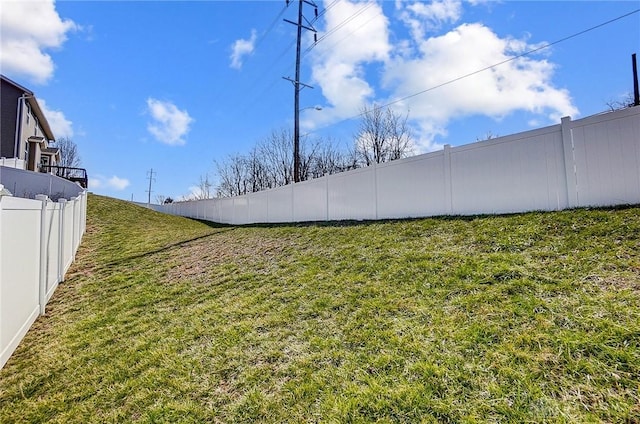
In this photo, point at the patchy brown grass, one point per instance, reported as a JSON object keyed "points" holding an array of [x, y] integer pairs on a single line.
{"points": [[523, 318]]}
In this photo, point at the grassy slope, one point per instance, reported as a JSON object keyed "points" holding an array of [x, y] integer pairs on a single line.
{"points": [[525, 318]]}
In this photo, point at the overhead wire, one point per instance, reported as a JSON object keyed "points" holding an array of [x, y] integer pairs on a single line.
{"points": [[263, 75], [326, 9], [308, 50], [339, 26], [451, 81], [277, 59]]}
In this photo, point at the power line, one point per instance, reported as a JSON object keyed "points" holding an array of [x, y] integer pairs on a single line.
{"points": [[326, 9], [275, 21], [258, 43], [308, 50], [511, 59], [278, 58], [339, 26]]}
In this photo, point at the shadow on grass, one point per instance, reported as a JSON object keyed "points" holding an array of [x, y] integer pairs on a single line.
{"points": [[164, 248], [444, 218]]}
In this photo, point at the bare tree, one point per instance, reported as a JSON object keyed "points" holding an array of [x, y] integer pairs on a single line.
{"points": [[623, 103], [160, 199], [69, 155], [232, 176], [277, 153], [203, 189], [383, 136], [327, 159], [270, 164], [488, 136], [257, 172]]}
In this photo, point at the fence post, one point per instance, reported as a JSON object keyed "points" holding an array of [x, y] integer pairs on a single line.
{"points": [[326, 193], [42, 286], [448, 196], [84, 211], [74, 232], [1, 347], [61, 241], [568, 149], [375, 188], [293, 206]]}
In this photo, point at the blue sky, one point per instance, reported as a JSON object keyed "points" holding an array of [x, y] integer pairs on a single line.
{"points": [[174, 86]]}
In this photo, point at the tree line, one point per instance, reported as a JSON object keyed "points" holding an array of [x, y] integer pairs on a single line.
{"points": [[383, 135]]}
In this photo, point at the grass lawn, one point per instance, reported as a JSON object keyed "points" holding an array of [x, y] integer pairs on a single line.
{"points": [[524, 318]]}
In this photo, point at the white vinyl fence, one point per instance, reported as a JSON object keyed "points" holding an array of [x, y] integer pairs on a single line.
{"points": [[38, 242], [593, 161], [28, 184], [13, 163]]}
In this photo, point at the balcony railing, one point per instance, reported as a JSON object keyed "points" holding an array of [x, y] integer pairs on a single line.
{"points": [[78, 175]]}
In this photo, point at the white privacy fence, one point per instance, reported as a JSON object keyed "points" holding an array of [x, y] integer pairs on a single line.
{"points": [[13, 163], [28, 184], [38, 242], [593, 161]]}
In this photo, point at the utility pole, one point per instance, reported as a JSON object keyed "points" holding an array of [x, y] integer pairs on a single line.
{"points": [[636, 91], [150, 176], [298, 86]]}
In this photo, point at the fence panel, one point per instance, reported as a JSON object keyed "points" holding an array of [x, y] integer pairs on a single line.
{"points": [[607, 155], [19, 270], [509, 174], [225, 206], [52, 245], [412, 187], [28, 184], [352, 195], [310, 200], [280, 206], [13, 163], [240, 210], [67, 237], [258, 206]]}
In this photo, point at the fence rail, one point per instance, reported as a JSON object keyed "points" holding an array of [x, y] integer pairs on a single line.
{"points": [[38, 242], [593, 161]]}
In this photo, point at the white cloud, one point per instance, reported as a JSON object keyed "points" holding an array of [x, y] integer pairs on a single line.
{"points": [[523, 83], [27, 30], [112, 183], [241, 48], [339, 63], [169, 124], [422, 17], [429, 71], [60, 125]]}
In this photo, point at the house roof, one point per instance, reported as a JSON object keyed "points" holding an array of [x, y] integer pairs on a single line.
{"points": [[35, 107], [53, 151], [15, 84]]}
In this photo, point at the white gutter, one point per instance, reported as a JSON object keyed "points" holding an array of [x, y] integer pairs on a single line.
{"points": [[21, 100]]}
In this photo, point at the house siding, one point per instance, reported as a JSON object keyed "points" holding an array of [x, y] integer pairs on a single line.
{"points": [[9, 95]]}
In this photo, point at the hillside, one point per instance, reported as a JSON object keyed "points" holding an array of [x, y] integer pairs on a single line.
{"points": [[523, 318]]}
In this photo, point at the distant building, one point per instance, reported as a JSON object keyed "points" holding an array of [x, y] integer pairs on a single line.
{"points": [[25, 134]]}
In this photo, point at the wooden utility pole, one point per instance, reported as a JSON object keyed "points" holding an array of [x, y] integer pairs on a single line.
{"points": [[298, 86], [636, 91]]}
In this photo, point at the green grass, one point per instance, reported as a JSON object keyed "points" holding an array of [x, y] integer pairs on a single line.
{"points": [[523, 318]]}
